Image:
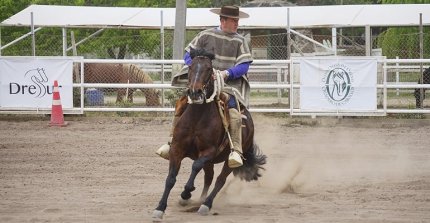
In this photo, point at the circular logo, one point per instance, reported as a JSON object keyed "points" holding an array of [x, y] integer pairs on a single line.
{"points": [[338, 84]]}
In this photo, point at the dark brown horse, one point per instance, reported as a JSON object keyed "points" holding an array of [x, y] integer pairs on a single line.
{"points": [[200, 135], [417, 93]]}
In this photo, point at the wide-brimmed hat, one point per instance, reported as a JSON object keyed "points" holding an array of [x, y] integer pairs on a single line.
{"points": [[231, 12]]}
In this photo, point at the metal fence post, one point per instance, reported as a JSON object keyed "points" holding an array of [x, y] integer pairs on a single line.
{"points": [[397, 76], [421, 63], [162, 55], [279, 81]]}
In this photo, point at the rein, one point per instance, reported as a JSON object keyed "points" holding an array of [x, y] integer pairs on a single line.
{"points": [[218, 85]]}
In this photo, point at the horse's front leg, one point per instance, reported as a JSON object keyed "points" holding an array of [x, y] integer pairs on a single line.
{"points": [[120, 94], [209, 175], [174, 166], [220, 181], [198, 165]]}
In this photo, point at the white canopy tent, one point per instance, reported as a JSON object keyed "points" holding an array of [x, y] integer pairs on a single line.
{"points": [[198, 18], [335, 16]]}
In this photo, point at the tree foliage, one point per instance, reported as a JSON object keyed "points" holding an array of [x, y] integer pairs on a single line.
{"points": [[404, 41], [405, 1], [112, 42]]}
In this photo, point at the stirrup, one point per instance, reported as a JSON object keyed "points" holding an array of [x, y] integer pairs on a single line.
{"points": [[235, 159], [163, 151]]}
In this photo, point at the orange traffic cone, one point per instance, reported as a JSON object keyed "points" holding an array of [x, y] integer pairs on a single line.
{"points": [[57, 117]]}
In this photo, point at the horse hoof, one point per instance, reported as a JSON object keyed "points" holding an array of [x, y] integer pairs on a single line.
{"points": [[157, 215], [183, 202], [203, 210]]}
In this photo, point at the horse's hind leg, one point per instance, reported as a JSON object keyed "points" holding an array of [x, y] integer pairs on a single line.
{"points": [[120, 95], [130, 95], [220, 181], [198, 165], [419, 98]]}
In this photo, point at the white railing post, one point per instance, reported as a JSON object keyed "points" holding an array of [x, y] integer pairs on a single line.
{"points": [[397, 77]]}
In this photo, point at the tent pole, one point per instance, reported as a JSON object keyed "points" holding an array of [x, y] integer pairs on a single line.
{"points": [[33, 39], [64, 41], [19, 39], [310, 39], [334, 40], [87, 38], [288, 35], [368, 41]]}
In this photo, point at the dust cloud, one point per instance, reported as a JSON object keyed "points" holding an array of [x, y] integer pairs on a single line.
{"points": [[309, 159]]}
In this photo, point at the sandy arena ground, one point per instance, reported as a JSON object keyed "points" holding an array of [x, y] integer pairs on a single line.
{"points": [[323, 170]]}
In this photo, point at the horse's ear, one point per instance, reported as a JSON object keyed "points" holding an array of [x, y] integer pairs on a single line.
{"points": [[201, 52], [426, 71], [193, 53], [210, 55]]}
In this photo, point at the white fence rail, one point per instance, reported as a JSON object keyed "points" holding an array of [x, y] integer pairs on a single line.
{"points": [[273, 88]]}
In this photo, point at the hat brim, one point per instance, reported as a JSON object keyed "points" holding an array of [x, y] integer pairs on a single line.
{"points": [[241, 15]]}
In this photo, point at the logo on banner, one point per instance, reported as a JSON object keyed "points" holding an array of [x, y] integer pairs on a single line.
{"points": [[39, 86], [337, 84]]}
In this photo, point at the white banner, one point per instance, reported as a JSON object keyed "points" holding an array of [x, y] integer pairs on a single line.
{"points": [[28, 82], [338, 84]]}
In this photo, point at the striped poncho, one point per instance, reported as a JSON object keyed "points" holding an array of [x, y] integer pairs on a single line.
{"points": [[230, 49]]}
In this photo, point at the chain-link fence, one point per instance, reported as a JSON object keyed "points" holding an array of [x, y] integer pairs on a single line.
{"points": [[152, 44], [405, 45], [270, 45]]}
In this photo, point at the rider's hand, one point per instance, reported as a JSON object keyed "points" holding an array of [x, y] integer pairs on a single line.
{"points": [[224, 74]]}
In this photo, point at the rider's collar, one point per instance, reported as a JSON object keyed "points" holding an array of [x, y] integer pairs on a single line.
{"points": [[219, 29]]}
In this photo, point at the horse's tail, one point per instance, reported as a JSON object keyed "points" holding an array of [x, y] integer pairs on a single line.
{"points": [[136, 75], [252, 164]]}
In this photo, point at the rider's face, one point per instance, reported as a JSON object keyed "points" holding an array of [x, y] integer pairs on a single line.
{"points": [[229, 25]]}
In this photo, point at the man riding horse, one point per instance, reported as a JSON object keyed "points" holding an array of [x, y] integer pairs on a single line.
{"points": [[232, 59]]}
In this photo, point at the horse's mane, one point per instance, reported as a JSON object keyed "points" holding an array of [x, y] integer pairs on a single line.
{"points": [[201, 52]]}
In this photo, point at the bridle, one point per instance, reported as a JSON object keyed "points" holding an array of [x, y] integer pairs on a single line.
{"points": [[218, 85]]}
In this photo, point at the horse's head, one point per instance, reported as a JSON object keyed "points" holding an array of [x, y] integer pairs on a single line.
{"points": [[200, 82], [426, 73]]}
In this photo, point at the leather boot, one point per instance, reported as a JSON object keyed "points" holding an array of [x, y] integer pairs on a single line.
{"points": [[163, 151], [235, 159]]}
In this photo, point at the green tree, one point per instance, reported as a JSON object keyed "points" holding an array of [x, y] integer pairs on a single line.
{"points": [[46, 37], [7, 9], [405, 1], [49, 40], [404, 41]]}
